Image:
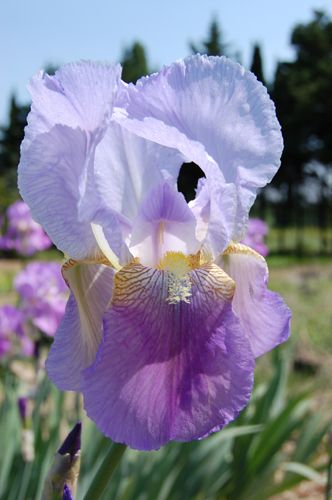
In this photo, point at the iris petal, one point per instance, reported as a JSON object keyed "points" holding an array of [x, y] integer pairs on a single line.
{"points": [[78, 95], [77, 339], [168, 372], [164, 223], [127, 167], [49, 181], [217, 115], [263, 314]]}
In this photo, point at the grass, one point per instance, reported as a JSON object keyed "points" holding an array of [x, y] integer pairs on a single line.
{"points": [[307, 290], [309, 237]]}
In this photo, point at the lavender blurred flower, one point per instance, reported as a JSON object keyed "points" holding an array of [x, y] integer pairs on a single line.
{"points": [[12, 336], [167, 313], [255, 236], [43, 293], [23, 234]]}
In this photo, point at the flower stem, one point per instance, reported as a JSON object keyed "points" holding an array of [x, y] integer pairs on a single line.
{"points": [[329, 480], [105, 471]]}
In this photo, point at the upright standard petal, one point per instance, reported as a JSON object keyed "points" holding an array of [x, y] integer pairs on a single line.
{"points": [[77, 339], [127, 167], [217, 115], [50, 181], [69, 116], [165, 223], [78, 95], [168, 371], [263, 314]]}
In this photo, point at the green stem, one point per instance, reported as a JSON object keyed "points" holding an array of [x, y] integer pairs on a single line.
{"points": [[329, 480], [105, 471]]}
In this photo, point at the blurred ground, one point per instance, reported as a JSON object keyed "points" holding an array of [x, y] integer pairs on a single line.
{"points": [[307, 289]]}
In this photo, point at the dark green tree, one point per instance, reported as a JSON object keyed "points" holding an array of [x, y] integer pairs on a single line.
{"points": [[257, 63], [12, 135], [257, 68], [303, 96], [10, 139], [134, 63], [214, 44]]}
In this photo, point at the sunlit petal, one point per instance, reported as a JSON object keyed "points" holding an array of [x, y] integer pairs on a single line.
{"points": [[168, 372], [263, 314], [164, 223], [78, 95], [78, 337], [217, 115]]}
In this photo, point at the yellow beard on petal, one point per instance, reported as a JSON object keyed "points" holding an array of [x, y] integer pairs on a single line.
{"points": [[177, 265]]}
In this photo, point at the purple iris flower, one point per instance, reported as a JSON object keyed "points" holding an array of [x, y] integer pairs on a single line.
{"points": [[167, 311], [12, 335], [255, 236], [23, 234], [43, 293]]}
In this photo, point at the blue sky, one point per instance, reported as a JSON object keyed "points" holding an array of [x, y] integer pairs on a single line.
{"points": [[35, 32]]}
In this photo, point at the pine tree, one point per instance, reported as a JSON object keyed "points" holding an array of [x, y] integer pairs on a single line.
{"points": [[11, 137], [134, 63], [257, 64], [303, 98], [214, 44]]}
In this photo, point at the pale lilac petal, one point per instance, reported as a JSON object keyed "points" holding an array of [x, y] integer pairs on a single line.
{"points": [[78, 95], [215, 211], [168, 372], [127, 167], [263, 314], [77, 339], [69, 116], [49, 177], [217, 115], [165, 223]]}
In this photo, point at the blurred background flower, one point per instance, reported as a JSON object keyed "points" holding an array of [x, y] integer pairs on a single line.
{"points": [[13, 339], [43, 293], [23, 234], [255, 238]]}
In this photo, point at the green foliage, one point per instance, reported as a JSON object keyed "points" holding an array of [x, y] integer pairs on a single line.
{"points": [[213, 45], [277, 432], [257, 64], [10, 140], [303, 98], [134, 63]]}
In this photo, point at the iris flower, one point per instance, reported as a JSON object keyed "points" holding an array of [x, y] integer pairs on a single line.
{"points": [[13, 339], [167, 312], [255, 236], [43, 295], [23, 234]]}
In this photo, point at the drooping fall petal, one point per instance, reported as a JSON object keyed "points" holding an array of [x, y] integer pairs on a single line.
{"points": [[263, 314], [77, 339], [168, 371]]}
